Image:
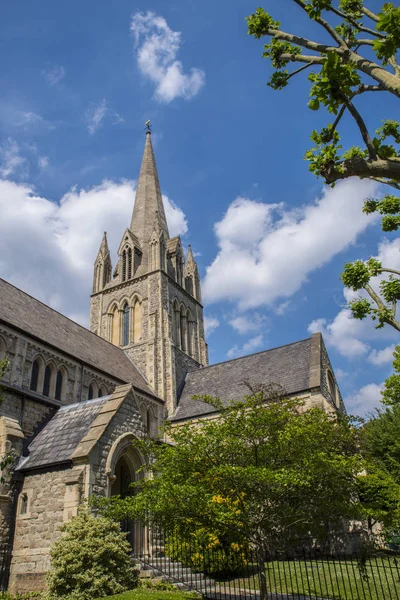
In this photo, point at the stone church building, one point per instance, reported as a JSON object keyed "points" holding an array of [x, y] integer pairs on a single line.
{"points": [[75, 399]]}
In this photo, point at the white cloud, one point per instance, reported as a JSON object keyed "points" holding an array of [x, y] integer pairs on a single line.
{"points": [[210, 325], [43, 162], [249, 323], [54, 75], [11, 161], [266, 254], [48, 248], [352, 338], [250, 346], [382, 357], [177, 223], [96, 113], [365, 400], [157, 46]]}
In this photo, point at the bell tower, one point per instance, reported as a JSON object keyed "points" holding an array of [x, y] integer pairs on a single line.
{"points": [[151, 305]]}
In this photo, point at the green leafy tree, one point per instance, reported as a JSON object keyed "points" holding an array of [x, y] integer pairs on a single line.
{"points": [[6, 459], [266, 473], [90, 560], [379, 488]]}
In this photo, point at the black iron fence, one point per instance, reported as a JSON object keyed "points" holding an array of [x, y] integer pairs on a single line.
{"points": [[5, 561], [232, 572]]}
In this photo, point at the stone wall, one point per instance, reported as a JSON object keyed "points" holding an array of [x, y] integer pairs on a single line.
{"points": [[333, 396], [38, 528]]}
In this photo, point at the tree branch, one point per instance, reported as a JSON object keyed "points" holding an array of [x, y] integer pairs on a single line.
{"points": [[368, 88], [355, 24], [361, 167], [390, 82], [300, 41], [303, 58], [393, 184], [385, 270], [332, 32], [300, 69], [370, 14], [361, 125], [381, 305]]}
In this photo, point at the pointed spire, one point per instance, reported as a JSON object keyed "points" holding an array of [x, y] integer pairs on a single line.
{"points": [[104, 250], [148, 211], [190, 262]]}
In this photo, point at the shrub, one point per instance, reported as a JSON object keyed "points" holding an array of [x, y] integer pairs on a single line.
{"points": [[207, 552], [90, 560]]}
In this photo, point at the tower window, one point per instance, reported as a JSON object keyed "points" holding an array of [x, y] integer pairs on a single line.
{"points": [[34, 376], [129, 263], [24, 504], [124, 265], [90, 392], [59, 382], [46, 383], [126, 325]]}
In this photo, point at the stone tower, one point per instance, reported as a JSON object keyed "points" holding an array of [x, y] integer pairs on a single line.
{"points": [[151, 305]]}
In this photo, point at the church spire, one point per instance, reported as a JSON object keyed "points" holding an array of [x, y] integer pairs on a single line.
{"points": [[104, 250], [149, 206]]}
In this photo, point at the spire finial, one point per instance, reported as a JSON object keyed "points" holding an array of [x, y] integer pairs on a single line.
{"points": [[147, 126]]}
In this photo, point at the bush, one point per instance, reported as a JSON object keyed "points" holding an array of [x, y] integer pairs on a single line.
{"points": [[207, 552], [90, 560]]}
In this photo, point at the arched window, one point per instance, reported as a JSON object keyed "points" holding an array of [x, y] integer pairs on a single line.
{"points": [[126, 325], [332, 387], [59, 385], [148, 421], [90, 392], [124, 265], [34, 376], [46, 382], [129, 263], [23, 504], [3, 348], [137, 321], [102, 392]]}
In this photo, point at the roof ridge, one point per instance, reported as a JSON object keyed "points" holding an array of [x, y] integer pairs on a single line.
{"points": [[223, 362]]}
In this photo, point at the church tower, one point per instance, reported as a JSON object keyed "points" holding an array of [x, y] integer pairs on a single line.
{"points": [[151, 305]]}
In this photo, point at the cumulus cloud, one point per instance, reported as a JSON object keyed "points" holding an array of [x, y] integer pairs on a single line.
{"points": [[96, 114], [250, 346], [352, 338], [210, 325], [48, 248], [11, 160], [157, 47], [54, 75], [266, 253], [248, 323], [43, 162], [365, 400]]}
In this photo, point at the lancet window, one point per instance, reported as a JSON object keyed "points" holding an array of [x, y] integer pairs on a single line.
{"points": [[125, 341], [34, 376]]}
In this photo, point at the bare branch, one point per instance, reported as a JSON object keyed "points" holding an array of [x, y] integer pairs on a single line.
{"points": [[300, 41], [370, 14], [363, 42], [368, 88], [331, 30], [381, 306], [300, 69], [392, 183], [303, 58], [385, 270], [361, 125]]}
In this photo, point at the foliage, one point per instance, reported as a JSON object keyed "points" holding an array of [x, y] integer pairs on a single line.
{"points": [[90, 560], [7, 459], [264, 473], [379, 487], [205, 551], [155, 593]]}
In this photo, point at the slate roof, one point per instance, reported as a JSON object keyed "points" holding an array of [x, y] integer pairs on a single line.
{"points": [[62, 434], [33, 317], [288, 366]]}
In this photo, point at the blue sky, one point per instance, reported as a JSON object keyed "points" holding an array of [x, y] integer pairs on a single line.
{"points": [[78, 83]]}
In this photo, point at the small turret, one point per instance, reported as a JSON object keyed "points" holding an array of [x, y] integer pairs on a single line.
{"points": [[102, 266], [192, 277]]}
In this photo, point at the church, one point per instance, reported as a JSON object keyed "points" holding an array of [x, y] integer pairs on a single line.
{"points": [[74, 399]]}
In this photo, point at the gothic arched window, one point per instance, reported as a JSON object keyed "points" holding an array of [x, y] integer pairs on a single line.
{"points": [[126, 325], [59, 385], [3, 349], [34, 376], [91, 392], [115, 327], [46, 382], [124, 265], [129, 263]]}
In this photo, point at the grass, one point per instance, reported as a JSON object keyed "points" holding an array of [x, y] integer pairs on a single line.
{"points": [[333, 579], [151, 594]]}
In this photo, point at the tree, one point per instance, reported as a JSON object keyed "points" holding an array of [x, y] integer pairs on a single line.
{"points": [[7, 458], [90, 560], [357, 57], [341, 73], [379, 488], [265, 473]]}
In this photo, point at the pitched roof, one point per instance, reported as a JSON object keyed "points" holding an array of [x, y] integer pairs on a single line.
{"points": [[39, 320], [288, 366], [62, 434]]}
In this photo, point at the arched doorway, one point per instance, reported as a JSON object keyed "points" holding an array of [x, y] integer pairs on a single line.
{"points": [[123, 464], [120, 487]]}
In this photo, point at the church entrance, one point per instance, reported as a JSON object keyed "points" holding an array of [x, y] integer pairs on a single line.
{"points": [[123, 469], [120, 487]]}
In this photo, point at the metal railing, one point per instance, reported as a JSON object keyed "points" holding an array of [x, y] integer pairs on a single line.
{"points": [[234, 573]]}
